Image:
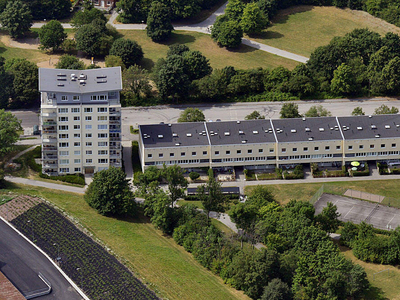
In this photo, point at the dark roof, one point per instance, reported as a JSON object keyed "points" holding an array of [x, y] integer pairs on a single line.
{"points": [[96, 80], [224, 190], [307, 129], [369, 127], [240, 132], [173, 135]]}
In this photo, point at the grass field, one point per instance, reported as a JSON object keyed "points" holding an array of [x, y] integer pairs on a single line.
{"points": [[157, 259], [243, 58], [301, 29]]}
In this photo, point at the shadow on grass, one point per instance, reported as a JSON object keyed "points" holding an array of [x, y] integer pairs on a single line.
{"points": [[147, 64], [283, 15], [179, 38], [268, 34]]}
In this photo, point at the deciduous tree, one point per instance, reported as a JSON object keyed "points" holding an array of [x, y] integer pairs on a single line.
{"points": [[385, 110], [176, 182], [317, 111], [255, 115], [358, 111], [16, 18], [226, 32], [290, 110], [159, 27], [130, 51], [52, 35], [191, 114], [9, 126], [71, 62], [253, 19]]}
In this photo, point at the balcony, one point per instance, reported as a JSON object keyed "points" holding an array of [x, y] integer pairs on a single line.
{"points": [[115, 121], [49, 140], [49, 156], [49, 165], [117, 146], [49, 114], [46, 148], [115, 139], [49, 123], [115, 112]]}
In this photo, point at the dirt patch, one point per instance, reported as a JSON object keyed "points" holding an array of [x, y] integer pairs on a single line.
{"points": [[18, 206], [26, 43]]}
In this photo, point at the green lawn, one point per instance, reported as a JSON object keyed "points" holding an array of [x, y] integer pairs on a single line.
{"points": [[301, 29], [243, 58], [155, 258]]}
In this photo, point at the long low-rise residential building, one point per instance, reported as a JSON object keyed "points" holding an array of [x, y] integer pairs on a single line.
{"points": [[270, 143]]}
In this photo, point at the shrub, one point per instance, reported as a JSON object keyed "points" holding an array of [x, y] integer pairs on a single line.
{"points": [[194, 175], [70, 178]]}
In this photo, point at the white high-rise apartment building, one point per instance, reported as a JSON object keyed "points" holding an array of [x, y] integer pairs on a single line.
{"points": [[80, 120]]}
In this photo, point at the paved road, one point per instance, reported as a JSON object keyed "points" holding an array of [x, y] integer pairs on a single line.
{"points": [[16, 245], [48, 185]]}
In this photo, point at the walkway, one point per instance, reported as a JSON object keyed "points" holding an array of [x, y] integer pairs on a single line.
{"points": [[203, 27], [48, 185]]}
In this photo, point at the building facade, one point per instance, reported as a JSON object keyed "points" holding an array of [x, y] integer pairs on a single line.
{"points": [[104, 4], [258, 144], [80, 120]]}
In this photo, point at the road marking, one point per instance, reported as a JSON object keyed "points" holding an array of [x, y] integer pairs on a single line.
{"points": [[348, 212]]}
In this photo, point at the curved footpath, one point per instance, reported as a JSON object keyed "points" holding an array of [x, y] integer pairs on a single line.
{"points": [[202, 27]]}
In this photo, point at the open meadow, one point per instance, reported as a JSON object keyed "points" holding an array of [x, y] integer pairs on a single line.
{"points": [[301, 29]]}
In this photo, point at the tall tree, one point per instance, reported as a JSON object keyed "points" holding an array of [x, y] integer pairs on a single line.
{"points": [[87, 16], [9, 125], [52, 35], [290, 110], [277, 290], [176, 182], [130, 51], [136, 83], [211, 196], [343, 81], [6, 86], [226, 32], [385, 110], [49, 9], [16, 18], [133, 11], [71, 62], [255, 115], [109, 193], [328, 219], [253, 19], [163, 214], [159, 27], [191, 114], [196, 65], [358, 111]]}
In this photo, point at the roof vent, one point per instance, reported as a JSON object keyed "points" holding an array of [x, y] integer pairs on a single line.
{"points": [[227, 133], [359, 128], [241, 132], [377, 135], [60, 84], [160, 136], [237, 122], [373, 126], [387, 126], [62, 79], [397, 125], [331, 128], [82, 76], [73, 77], [308, 129], [310, 138], [321, 129], [101, 76], [255, 132], [177, 144], [244, 141], [61, 75], [293, 131], [336, 128], [369, 116], [304, 119], [83, 82], [188, 134], [176, 135], [102, 81]]}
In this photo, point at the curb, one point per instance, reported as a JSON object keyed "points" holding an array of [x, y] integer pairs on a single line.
{"points": [[48, 257]]}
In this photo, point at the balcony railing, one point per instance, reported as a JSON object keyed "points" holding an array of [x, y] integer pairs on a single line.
{"points": [[49, 123], [49, 140], [48, 148]]}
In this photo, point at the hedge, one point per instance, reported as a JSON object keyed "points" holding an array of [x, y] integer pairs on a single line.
{"points": [[70, 178]]}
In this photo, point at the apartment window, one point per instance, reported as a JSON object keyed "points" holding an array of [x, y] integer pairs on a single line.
{"points": [[337, 147], [228, 152], [260, 150], [64, 161], [102, 109], [102, 97], [63, 145], [89, 152], [305, 149], [77, 170], [75, 109], [194, 153], [77, 161], [93, 97], [102, 144], [77, 126], [103, 160], [360, 146], [393, 145], [88, 127], [77, 144], [316, 148], [77, 118], [63, 119], [149, 155], [371, 146], [64, 170], [102, 152], [327, 147], [383, 145], [249, 151], [88, 109], [63, 110], [160, 155], [171, 154], [271, 150], [88, 118], [63, 127], [204, 152], [75, 98], [77, 152], [294, 149], [283, 150], [102, 135], [64, 98], [63, 136], [89, 144], [238, 151], [64, 153], [350, 147], [103, 126], [216, 152], [89, 160], [183, 153], [88, 135], [101, 118], [77, 135]]}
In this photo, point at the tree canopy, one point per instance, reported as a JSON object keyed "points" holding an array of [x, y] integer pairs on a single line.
{"points": [[255, 115], [317, 111], [290, 110], [9, 127], [191, 114], [71, 62], [227, 32], [52, 35], [385, 110], [159, 27], [130, 51], [16, 18]]}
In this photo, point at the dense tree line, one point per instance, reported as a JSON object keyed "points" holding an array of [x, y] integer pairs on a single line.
{"points": [[299, 261]]}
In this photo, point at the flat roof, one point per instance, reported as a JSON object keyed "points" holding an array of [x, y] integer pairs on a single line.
{"points": [[240, 132], [307, 129], [174, 135], [370, 127], [80, 81]]}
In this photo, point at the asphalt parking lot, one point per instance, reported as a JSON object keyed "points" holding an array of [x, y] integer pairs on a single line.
{"points": [[356, 211]]}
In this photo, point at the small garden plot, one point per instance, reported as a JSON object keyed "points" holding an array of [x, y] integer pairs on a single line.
{"points": [[99, 274]]}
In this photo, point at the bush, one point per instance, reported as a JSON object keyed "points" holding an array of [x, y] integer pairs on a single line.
{"points": [[130, 52], [194, 175], [70, 178]]}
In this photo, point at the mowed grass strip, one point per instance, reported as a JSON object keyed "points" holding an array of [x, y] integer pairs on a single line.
{"points": [[156, 258], [243, 58], [301, 29]]}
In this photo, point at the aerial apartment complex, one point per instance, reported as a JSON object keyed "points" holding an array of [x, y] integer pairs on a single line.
{"points": [[258, 144], [80, 120]]}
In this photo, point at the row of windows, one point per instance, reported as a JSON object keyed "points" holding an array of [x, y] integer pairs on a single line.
{"points": [[371, 146], [88, 152], [194, 153], [305, 149], [92, 98], [66, 170], [78, 144], [87, 118], [239, 159]]}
